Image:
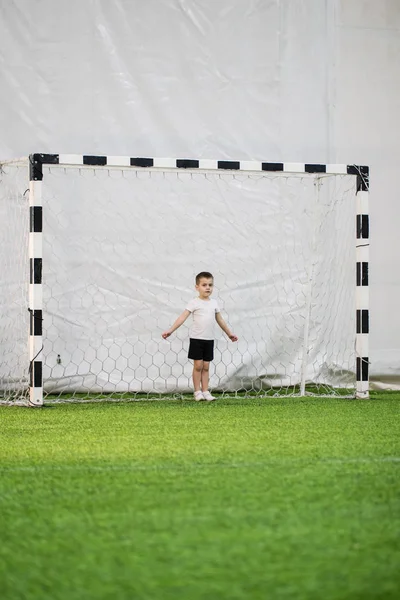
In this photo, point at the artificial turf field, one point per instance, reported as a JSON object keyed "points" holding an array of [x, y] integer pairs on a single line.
{"points": [[237, 499]]}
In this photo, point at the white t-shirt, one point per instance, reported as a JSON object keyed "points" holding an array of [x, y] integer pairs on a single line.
{"points": [[203, 312]]}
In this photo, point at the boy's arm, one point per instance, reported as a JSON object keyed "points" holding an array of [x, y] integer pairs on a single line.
{"points": [[225, 327], [180, 320]]}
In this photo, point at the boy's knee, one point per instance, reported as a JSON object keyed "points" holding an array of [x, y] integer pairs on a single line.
{"points": [[198, 366], [206, 366]]}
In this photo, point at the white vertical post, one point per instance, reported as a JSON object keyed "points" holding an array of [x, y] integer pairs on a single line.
{"points": [[362, 285], [35, 283]]}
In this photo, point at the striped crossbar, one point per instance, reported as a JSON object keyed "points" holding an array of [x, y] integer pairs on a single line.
{"points": [[37, 160]]}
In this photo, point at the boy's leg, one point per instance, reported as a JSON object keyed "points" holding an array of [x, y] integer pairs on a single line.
{"points": [[205, 375], [197, 371]]}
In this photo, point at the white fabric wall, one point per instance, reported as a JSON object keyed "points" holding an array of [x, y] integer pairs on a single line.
{"points": [[290, 80]]}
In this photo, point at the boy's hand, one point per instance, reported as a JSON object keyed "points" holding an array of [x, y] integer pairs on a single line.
{"points": [[233, 338], [166, 334]]}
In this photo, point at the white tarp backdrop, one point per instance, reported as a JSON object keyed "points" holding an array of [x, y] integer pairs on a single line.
{"points": [[278, 80]]}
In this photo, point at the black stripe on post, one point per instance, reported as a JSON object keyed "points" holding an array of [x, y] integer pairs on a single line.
{"points": [[315, 168], [36, 377], [36, 161], [36, 320], [36, 265], [184, 163], [363, 321], [267, 166], [362, 226], [35, 219], [229, 164], [362, 273], [142, 162], [99, 161], [362, 368], [49, 159], [362, 173]]}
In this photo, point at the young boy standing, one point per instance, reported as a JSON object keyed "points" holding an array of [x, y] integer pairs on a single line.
{"points": [[205, 312]]}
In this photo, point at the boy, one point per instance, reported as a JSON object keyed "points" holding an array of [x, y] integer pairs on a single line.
{"points": [[201, 348]]}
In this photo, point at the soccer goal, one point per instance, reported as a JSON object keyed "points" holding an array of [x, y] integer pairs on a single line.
{"points": [[99, 255]]}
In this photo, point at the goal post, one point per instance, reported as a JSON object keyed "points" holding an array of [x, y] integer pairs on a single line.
{"points": [[114, 244]]}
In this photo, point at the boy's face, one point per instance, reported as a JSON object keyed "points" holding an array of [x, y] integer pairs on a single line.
{"points": [[205, 287]]}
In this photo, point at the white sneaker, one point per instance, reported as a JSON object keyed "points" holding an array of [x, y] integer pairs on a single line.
{"points": [[207, 396], [198, 396]]}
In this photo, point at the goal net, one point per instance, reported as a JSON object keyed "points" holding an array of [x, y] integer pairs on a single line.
{"points": [[14, 269], [121, 248]]}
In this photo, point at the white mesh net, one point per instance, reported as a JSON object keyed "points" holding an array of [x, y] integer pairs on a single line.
{"points": [[14, 269], [122, 248]]}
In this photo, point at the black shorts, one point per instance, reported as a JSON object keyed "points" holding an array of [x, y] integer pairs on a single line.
{"points": [[201, 350]]}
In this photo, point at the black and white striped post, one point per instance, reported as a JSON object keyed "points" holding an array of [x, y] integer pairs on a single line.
{"points": [[35, 240], [362, 280], [35, 282]]}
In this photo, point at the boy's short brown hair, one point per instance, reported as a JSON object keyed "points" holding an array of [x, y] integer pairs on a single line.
{"points": [[203, 275]]}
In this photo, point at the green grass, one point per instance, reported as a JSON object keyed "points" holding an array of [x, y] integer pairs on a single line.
{"points": [[239, 499]]}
